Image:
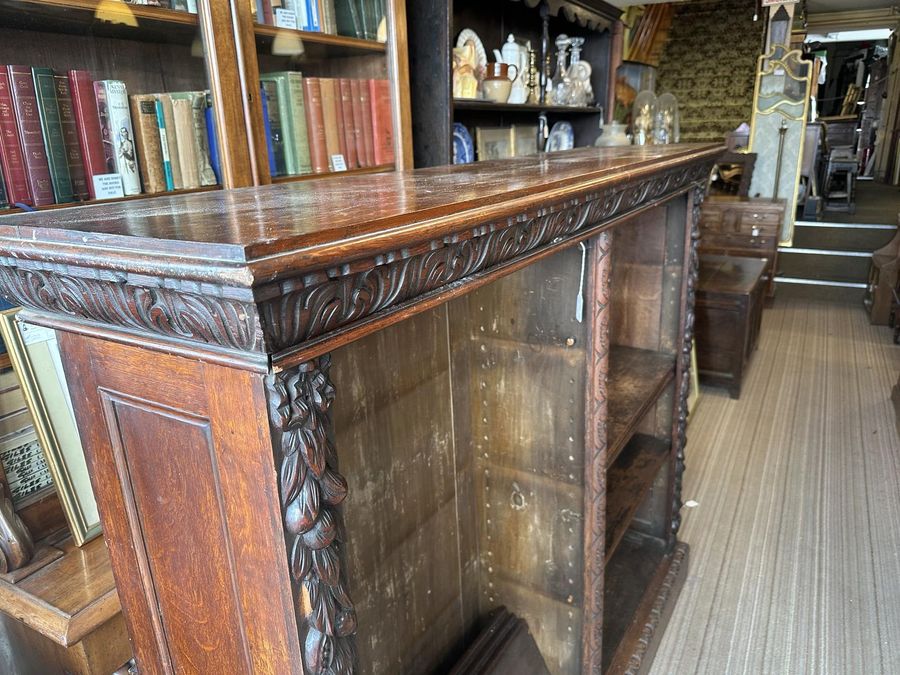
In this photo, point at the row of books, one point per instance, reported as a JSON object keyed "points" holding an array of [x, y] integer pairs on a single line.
{"points": [[354, 18], [68, 138], [317, 124]]}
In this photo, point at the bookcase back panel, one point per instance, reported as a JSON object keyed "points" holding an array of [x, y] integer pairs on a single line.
{"points": [[361, 67]]}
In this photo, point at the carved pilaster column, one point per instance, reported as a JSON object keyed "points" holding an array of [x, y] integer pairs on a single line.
{"points": [[692, 270], [311, 492], [595, 454]]}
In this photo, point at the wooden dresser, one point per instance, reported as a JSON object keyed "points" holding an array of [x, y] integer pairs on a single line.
{"points": [[743, 227], [332, 425]]}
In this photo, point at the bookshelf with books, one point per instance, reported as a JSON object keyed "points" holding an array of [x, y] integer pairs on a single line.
{"points": [[535, 24]]}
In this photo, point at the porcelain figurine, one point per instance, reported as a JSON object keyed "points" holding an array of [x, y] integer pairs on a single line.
{"points": [[465, 84]]}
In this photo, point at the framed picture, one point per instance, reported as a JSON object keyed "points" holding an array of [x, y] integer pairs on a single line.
{"points": [[524, 140], [34, 354], [494, 143]]}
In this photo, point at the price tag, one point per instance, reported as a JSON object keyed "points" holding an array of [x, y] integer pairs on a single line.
{"points": [[285, 18], [108, 186], [338, 163]]}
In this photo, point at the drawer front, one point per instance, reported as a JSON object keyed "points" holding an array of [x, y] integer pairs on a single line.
{"points": [[724, 240], [766, 221]]}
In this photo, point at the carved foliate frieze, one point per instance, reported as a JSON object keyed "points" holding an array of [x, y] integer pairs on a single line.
{"points": [[311, 493]]}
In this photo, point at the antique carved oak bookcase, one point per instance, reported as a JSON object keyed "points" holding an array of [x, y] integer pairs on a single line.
{"points": [[331, 424]]}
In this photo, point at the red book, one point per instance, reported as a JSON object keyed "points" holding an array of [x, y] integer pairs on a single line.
{"points": [[70, 137], [11, 158], [315, 125], [37, 167], [339, 114], [382, 124], [88, 125], [350, 130], [362, 115]]}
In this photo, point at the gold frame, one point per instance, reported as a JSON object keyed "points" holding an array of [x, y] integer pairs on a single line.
{"points": [[70, 499], [767, 65], [485, 135]]}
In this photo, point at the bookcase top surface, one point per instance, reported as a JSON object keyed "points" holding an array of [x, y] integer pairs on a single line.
{"points": [[253, 235]]}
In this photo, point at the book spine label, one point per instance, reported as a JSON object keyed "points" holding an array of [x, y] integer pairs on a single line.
{"points": [[365, 102], [54, 143], [349, 126], [122, 135], [11, 158], [315, 125], [31, 138], [382, 124], [147, 141], [276, 135], [283, 101], [70, 137], [164, 143], [84, 106], [298, 117]]}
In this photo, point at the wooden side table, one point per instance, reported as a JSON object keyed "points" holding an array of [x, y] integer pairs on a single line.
{"points": [[730, 296]]}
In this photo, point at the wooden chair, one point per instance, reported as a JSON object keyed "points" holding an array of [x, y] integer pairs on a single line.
{"points": [[884, 275]]}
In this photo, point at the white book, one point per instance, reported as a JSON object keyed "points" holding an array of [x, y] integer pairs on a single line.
{"points": [[120, 132]]}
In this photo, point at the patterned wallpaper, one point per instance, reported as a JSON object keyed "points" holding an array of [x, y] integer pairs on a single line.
{"points": [[709, 63]]}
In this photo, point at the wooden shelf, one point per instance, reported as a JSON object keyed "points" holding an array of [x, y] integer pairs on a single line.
{"points": [[68, 598], [99, 18], [315, 45], [477, 104], [637, 377], [628, 481], [349, 172], [130, 198]]}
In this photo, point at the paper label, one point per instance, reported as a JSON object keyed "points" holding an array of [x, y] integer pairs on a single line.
{"points": [[32, 334], [108, 186], [338, 163], [285, 18]]}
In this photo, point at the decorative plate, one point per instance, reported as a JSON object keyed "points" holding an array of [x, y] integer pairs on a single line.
{"points": [[469, 35], [463, 147], [562, 137]]}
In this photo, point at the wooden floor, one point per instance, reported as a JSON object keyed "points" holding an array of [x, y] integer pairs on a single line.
{"points": [[795, 541]]}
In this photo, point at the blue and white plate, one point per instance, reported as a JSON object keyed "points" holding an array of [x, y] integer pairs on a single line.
{"points": [[562, 137], [463, 147]]}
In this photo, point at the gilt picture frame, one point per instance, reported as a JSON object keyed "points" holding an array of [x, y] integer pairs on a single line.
{"points": [[34, 355]]}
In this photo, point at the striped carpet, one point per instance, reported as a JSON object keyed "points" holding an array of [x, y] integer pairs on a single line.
{"points": [[795, 541]]}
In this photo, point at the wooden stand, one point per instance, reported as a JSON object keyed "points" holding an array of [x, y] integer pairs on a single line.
{"points": [[322, 436]]}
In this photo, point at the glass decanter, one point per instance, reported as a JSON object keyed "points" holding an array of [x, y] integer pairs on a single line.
{"points": [[579, 75], [559, 84]]}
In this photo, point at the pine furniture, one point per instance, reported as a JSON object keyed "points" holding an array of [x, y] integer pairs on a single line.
{"points": [[335, 435]]}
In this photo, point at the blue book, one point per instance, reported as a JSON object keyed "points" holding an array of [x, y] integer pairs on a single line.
{"points": [[164, 146], [273, 168], [312, 11], [213, 142]]}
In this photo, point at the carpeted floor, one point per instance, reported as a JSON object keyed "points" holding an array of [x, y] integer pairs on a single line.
{"points": [[795, 541], [876, 203]]}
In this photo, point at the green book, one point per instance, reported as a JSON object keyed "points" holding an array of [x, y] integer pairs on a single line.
{"points": [[291, 110], [52, 130]]}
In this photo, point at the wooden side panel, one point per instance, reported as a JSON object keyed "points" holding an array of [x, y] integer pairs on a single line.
{"points": [[182, 467]]}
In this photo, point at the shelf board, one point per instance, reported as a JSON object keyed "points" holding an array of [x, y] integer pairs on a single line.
{"points": [[315, 44], [349, 172], [129, 198], [477, 104], [637, 378], [99, 18], [628, 481]]}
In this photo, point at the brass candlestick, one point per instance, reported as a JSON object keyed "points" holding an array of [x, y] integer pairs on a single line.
{"points": [[532, 81]]}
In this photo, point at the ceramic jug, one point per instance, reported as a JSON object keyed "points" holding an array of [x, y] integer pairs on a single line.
{"points": [[516, 55]]}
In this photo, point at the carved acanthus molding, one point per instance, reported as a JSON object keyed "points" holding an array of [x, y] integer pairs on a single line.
{"points": [[311, 492]]}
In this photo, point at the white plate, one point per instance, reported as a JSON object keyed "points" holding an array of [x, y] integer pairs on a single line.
{"points": [[562, 137], [469, 35]]}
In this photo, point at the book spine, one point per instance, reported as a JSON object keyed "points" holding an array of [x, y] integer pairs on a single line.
{"points": [[335, 88], [367, 130], [315, 125], [267, 15], [349, 128], [121, 133], [183, 113], [31, 138], [201, 137], [347, 18], [12, 159], [298, 118], [358, 123], [163, 143], [382, 124], [147, 141], [267, 128], [172, 138], [51, 127], [283, 101], [4, 200], [70, 137], [84, 105], [315, 21], [329, 116], [276, 133], [213, 142]]}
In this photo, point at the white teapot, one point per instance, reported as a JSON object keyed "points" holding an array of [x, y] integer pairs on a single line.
{"points": [[516, 55]]}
